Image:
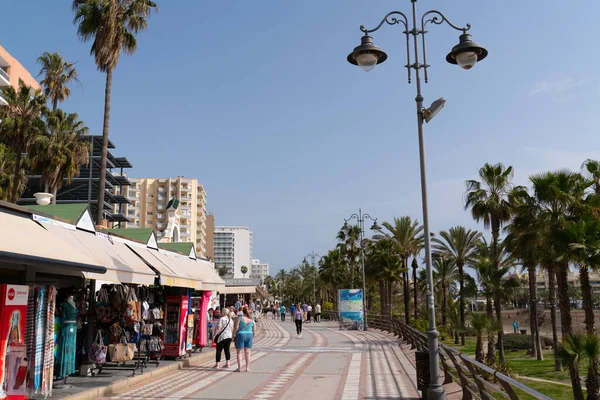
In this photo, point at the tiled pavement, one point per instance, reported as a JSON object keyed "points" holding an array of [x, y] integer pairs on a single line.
{"points": [[325, 364]]}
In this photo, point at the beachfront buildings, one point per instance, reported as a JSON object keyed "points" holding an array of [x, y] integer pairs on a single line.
{"points": [[259, 270], [12, 73], [150, 197], [233, 249]]}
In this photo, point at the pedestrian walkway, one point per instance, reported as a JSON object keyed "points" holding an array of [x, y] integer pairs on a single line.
{"points": [[325, 363]]}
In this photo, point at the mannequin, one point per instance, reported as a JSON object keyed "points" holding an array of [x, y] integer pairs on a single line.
{"points": [[71, 301], [68, 338]]}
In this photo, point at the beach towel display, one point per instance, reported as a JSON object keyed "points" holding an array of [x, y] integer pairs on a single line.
{"points": [[41, 311], [48, 371], [68, 340]]}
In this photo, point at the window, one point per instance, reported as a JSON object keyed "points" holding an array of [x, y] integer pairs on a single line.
{"points": [[150, 195], [149, 213]]}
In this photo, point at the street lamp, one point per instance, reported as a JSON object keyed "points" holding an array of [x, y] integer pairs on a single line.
{"points": [[360, 218], [466, 54], [313, 263]]}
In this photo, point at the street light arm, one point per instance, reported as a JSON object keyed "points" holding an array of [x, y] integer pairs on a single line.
{"points": [[367, 216], [435, 20], [389, 21], [353, 216]]}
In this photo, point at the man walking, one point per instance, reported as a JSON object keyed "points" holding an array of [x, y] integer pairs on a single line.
{"points": [[304, 310], [308, 313], [282, 310], [292, 312], [318, 313]]}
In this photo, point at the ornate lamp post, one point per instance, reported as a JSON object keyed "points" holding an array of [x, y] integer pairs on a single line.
{"points": [[466, 54], [313, 256], [360, 218]]}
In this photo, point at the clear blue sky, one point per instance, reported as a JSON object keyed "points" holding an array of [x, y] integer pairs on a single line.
{"points": [[257, 101]]}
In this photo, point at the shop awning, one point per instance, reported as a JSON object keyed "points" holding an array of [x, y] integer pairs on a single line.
{"points": [[122, 265], [171, 274], [238, 290], [198, 269], [24, 241]]}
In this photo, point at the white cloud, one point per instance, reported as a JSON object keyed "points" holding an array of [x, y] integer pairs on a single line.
{"points": [[555, 87]]}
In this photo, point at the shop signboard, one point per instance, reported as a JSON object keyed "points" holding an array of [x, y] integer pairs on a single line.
{"points": [[13, 310], [242, 282], [351, 309]]}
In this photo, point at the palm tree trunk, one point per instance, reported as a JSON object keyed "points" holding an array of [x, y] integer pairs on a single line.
{"points": [[491, 353], [552, 301], [54, 191], [390, 305], [54, 104], [592, 384], [479, 356], [577, 390], [444, 305], [535, 332], [586, 294], [415, 292], [15, 188], [406, 291], [102, 184], [563, 299], [461, 302], [46, 187], [498, 306], [382, 298]]}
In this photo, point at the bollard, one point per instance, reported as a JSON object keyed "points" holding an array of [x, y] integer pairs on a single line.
{"points": [[423, 379]]}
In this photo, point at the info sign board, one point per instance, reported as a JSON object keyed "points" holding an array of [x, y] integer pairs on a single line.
{"points": [[351, 309]]}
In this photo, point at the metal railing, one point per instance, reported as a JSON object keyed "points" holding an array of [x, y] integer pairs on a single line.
{"points": [[478, 381], [5, 74]]}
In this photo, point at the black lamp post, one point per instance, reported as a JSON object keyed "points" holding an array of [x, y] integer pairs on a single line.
{"points": [[313, 257], [466, 54], [360, 218]]}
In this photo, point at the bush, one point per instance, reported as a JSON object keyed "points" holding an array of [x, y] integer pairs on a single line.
{"points": [[327, 306], [546, 342], [516, 341]]}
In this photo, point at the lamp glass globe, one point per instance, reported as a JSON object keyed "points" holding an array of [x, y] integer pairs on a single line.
{"points": [[466, 59], [366, 61]]}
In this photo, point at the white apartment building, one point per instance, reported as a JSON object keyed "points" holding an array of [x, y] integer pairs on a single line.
{"points": [[233, 249], [150, 197], [259, 270]]}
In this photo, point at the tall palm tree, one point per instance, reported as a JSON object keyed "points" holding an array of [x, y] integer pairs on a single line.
{"points": [[61, 151], [488, 199], [113, 25], [591, 169], [482, 324], [458, 244], [349, 238], [21, 124], [525, 242], [333, 271], [7, 168], [408, 238], [445, 274], [583, 238], [578, 347], [58, 73], [384, 264]]}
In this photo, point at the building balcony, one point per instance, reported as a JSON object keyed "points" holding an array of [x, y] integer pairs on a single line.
{"points": [[4, 78]]}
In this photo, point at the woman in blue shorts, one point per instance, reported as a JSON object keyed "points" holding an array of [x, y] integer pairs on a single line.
{"points": [[243, 334]]}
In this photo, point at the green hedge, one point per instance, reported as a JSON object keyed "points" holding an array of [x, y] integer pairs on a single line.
{"points": [[516, 341]]}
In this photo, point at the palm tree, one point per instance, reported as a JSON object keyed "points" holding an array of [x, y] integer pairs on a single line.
{"points": [[349, 237], [58, 73], [113, 25], [223, 271], [7, 168], [459, 245], [525, 242], [591, 169], [384, 265], [21, 124], [60, 152], [482, 324], [574, 350], [244, 270], [583, 239], [408, 238], [445, 273], [333, 271], [488, 199]]}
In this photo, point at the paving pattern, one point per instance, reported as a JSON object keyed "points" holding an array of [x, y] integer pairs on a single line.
{"points": [[325, 363]]}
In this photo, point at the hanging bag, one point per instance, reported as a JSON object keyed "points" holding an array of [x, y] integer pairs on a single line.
{"points": [[132, 312], [122, 351], [103, 306], [98, 350]]}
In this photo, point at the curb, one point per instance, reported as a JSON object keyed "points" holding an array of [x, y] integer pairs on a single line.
{"points": [[149, 374]]}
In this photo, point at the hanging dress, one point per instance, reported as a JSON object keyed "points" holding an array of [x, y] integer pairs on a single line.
{"points": [[68, 339]]}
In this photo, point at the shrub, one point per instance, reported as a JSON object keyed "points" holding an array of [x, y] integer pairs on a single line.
{"points": [[327, 306], [516, 341]]}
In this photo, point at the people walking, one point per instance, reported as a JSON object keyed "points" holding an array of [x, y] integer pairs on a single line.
{"points": [[244, 333], [282, 310], [292, 312], [308, 313], [298, 316], [317, 312], [223, 338], [304, 310]]}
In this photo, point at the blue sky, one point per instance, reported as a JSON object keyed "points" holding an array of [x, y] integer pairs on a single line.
{"points": [[257, 101]]}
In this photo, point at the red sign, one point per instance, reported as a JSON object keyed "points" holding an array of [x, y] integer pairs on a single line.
{"points": [[11, 293]]}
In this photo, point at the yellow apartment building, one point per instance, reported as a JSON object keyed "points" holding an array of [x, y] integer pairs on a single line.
{"points": [[12, 73], [149, 198]]}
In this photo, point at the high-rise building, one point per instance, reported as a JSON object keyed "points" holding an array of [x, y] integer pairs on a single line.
{"points": [[233, 249], [259, 270], [210, 236], [148, 209], [12, 73]]}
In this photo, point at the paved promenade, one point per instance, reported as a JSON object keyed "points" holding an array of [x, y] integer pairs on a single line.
{"points": [[325, 364]]}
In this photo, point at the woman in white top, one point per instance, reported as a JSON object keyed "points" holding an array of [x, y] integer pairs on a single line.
{"points": [[224, 335]]}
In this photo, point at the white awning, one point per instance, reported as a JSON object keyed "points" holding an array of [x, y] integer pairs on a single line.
{"points": [[171, 274], [24, 241], [197, 269], [122, 265], [238, 290]]}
